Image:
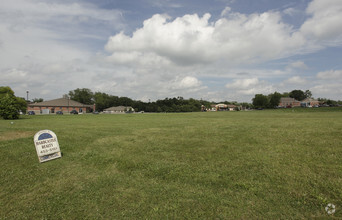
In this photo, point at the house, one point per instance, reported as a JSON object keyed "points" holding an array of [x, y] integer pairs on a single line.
{"points": [[223, 107], [309, 102], [287, 102], [118, 110], [63, 104]]}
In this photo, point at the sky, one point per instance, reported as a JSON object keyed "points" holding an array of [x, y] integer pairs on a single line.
{"points": [[216, 50]]}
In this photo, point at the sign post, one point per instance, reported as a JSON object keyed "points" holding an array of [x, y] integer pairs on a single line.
{"points": [[47, 146]]}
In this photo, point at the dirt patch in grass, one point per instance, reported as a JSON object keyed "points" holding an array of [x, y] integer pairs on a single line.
{"points": [[13, 135]]}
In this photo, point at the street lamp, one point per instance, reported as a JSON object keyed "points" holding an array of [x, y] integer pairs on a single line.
{"points": [[27, 92]]}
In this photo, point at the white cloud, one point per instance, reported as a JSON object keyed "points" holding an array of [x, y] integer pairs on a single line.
{"points": [[330, 75], [325, 24], [298, 65], [291, 11], [43, 47], [250, 86], [225, 11], [327, 84], [296, 80], [48, 48], [189, 82], [243, 83], [163, 4], [14, 76], [192, 39], [332, 90]]}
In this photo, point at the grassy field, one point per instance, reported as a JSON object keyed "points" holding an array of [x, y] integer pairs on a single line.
{"points": [[274, 164]]}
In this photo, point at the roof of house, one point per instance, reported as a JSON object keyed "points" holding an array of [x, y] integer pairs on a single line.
{"points": [[118, 108], [60, 102], [288, 99], [310, 100], [224, 106]]}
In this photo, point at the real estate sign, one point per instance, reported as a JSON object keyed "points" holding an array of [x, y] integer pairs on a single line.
{"points": [[47, 146]]}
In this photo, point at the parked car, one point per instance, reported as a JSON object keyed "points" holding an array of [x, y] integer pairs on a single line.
{"points": [[96, 112], [59, 113], [31, 113], [74, 112]]}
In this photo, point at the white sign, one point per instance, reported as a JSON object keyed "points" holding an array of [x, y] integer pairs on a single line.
{"points": [[47, 146]]}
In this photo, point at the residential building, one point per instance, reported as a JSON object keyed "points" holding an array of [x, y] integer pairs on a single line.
{"points": [[309, 102], [63, 104], [118, 110], [223, 107], [287, 102]]}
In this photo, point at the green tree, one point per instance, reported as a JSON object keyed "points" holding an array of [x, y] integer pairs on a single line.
{"points": [[37, 100], [260, 101], [20, 104], [285, 94], [10, 105], [297, 94], [102, 101], [84, 96], [308, 94], [274, 99], [6, 90], [7, 107]]}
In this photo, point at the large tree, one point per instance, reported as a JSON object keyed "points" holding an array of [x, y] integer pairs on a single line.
{"points": [[10, 105], [102, 101], [37, 100], [260, 101], [84, 96], [308, 94], [274, 99], [297, 94]]}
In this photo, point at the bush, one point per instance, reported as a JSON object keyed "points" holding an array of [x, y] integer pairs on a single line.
{"points": [[8, 108]]}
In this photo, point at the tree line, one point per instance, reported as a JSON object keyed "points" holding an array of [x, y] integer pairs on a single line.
{"points": [[272, 100], [103, 100], [11, 106], [175, 104]]}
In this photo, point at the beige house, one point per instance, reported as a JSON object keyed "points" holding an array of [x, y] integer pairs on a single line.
{"points": [[118, 110], [288, 102], [309, 102], [223, 107], [64, 105]]}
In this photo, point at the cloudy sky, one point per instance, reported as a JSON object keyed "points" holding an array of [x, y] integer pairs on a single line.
{"points": [[152, 49]]}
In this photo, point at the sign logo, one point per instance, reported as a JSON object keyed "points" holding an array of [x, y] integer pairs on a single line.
{"points": [[47, 146], [330, 209]]}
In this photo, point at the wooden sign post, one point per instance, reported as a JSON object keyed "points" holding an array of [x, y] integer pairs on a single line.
{"points": [[47, 146]]}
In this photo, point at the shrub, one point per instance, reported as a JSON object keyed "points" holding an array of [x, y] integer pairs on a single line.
{"points": [[8, 108]]}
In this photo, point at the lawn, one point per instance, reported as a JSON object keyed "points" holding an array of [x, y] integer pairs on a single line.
{"points": [[271, 164]]}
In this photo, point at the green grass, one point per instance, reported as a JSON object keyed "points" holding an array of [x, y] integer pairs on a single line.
{"points": [[271, 164]]}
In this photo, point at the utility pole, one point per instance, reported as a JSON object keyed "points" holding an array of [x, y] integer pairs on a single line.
{"points": [[27, 92]]}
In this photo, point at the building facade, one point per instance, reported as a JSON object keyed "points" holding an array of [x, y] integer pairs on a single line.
{"points": [[287, 102], [224, 107], [118, 110], [64, 105], [310, 102]]}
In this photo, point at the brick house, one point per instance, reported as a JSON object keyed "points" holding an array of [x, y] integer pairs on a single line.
{"points": [[288, 102], [63, 104]]}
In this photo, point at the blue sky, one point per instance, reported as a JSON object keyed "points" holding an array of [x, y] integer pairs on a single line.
{"points": [[152, 49]]}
